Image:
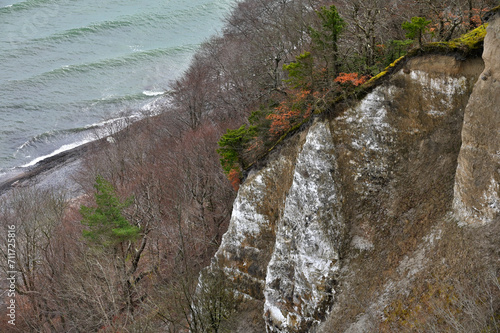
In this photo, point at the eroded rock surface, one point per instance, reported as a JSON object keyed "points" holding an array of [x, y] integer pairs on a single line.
{"points": [[477, 189], [248, 244], [301, 274]]}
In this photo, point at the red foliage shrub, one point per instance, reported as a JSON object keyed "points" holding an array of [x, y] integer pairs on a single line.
{"points": [[234, 178], [290, 111], [351, 79]]}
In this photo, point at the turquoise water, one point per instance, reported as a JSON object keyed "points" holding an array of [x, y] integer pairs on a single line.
{"points": [[66, 65]]}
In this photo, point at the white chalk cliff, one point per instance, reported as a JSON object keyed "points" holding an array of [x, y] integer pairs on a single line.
{"points": [[357, 196]]}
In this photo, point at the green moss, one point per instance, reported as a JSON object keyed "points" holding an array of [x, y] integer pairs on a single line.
{"points": [[384, 72], [466, 44], [474, 38]]}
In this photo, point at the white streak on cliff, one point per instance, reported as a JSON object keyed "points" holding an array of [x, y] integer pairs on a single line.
{"points": [[369, 139], [301, 273], [441, 90], [245, 220], [447, 85]]}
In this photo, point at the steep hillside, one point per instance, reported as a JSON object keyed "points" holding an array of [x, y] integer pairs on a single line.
{"points": [[364, 221]]}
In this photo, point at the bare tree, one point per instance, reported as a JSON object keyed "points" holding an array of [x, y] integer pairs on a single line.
{"points": [[36, 216]]}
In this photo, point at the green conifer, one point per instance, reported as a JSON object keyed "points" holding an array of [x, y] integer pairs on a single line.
{"points": [[107, 226]]}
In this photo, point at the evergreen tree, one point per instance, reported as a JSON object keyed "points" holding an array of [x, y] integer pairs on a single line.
{"points": [[325, 40], [232, 145], [416, 28], [107, 226], [300, 72]]}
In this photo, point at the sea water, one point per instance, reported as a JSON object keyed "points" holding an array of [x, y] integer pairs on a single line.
{"points": [[68, 66]]}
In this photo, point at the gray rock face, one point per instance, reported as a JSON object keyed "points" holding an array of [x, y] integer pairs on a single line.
{"points": [[477, 189], [247, 246]]}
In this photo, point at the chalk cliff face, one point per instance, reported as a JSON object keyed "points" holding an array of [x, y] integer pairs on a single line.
{"points": [[302, 271], [477, 189], [344, 211]]}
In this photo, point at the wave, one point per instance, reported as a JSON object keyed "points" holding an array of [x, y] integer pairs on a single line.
{"points": [[120, 119], [95, 131], [91, 29], [53, 135], [55, 152], [24, 5], [140, 20], [153, 93], [156, 106], [49, 136], [117, 103], [108, 64]]}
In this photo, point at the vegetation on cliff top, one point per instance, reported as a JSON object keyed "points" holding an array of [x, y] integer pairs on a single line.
{"points": [[315, 84]]}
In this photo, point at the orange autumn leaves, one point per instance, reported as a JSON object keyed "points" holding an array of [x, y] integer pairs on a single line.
{"points": [[353, 79], [234, 177], [299, 105], [290, 111]]}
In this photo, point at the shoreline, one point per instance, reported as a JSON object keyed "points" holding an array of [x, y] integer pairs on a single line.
{"points": [[56, 171], [52, 171]]}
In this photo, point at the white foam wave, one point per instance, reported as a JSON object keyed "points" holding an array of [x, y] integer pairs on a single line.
{"points": [[103, 129], [120, 121], [153, 93], [136, 48], [21, 147], [35, 139], [157, 106], [55, 152]]}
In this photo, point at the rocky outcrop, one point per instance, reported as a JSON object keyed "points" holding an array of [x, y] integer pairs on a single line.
{"points": [[360, 194], [301, 275], [248, 244], [477, 185]]}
